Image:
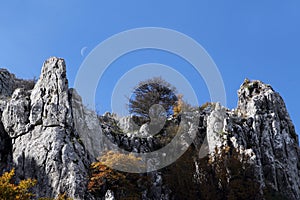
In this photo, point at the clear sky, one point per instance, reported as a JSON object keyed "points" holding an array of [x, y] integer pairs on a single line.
{"points": [[254, 39]]}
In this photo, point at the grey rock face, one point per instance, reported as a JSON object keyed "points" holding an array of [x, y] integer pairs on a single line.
{"points": [[145, 130], [87, 126], [49, 99], [15, 116], [45, 143], [127, 124], [261, 128], [56, 160], [215, 127], [7, 82], [272, 133]]}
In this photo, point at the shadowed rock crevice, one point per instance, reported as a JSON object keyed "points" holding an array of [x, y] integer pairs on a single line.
{"points": [[5, 150]]}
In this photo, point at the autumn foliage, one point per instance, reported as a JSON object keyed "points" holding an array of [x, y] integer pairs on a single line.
{"points": [[123, 184], [178, 105], [11, 191]]}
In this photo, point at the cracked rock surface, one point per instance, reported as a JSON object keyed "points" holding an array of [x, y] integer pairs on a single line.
{"points": [[261, 128], [45, 144], [269, 131]]}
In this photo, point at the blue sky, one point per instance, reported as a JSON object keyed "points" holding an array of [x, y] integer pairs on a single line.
{"points": [[254, 39]]}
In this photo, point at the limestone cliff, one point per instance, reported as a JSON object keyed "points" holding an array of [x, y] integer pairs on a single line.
{"points": [[260, 127], [46, 133], [39, 129]]}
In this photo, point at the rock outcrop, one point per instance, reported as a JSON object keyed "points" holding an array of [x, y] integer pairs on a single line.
{"points": [[46, 133], [45, 145], [261, 128], [269, 131]]}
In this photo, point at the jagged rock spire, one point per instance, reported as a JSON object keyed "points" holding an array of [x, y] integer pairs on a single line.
{"points": [[45, 145]]}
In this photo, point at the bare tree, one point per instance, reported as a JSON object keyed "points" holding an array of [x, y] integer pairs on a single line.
{"points": [[150, 96]]}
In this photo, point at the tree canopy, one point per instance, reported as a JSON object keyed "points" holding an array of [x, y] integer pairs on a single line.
{"points": [[150, 93]]}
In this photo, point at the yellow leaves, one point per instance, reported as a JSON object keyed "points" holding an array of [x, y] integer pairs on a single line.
{"points": [[178, 106], [11, 191], [124, 161], [23, 187], [63, 197], [103, 174], [227, 149], [6, 177]]}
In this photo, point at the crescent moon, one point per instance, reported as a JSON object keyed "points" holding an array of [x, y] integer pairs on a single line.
{"points": [[82, 51]]}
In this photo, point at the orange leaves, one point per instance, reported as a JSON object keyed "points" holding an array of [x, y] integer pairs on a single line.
{"points": [[101, 174], [104, 177]]}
